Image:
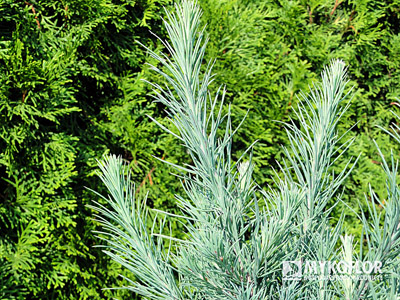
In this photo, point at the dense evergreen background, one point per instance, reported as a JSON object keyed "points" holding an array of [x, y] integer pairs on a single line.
{"points": [[71, 91]]}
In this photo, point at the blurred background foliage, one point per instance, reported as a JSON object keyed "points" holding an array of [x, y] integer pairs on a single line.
{"points": [[71, 90]]}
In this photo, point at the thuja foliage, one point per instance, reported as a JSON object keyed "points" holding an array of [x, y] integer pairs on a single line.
{"points": [[237, 233], [62, 65]]}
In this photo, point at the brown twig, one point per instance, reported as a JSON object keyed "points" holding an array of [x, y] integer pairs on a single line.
{"points": [[352, 27], [148, 175], [34, 13], [24, 95], [349, 22], [310, 15], [337, 3]]}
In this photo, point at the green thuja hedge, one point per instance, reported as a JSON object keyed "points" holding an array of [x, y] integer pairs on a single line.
{"points": [[63, 66], [71, 91]]}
